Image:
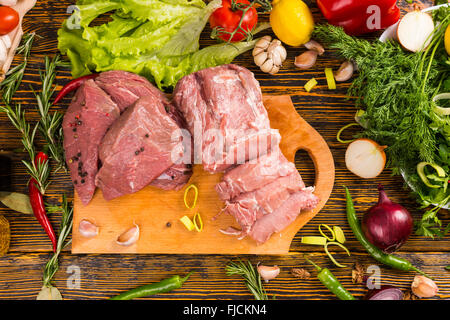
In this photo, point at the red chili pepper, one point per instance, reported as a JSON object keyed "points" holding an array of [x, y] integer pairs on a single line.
{"points": [[73, 85], [360, 16], [37, 203]]}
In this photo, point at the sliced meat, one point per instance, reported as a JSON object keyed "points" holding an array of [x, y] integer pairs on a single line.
{"points": [[85, 123], [224, 111], [282, 217], [138, 148], [251, 206], [254, 175], [125, 88]]}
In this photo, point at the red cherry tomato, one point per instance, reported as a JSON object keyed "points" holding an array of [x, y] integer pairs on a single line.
{"points": [[9, 19], [227, 19]]}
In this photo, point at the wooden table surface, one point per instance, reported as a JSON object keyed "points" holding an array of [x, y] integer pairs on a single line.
{"points": [[105, 275]]}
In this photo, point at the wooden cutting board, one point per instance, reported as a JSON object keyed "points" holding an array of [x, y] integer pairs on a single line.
{"points": [[152, 209]]}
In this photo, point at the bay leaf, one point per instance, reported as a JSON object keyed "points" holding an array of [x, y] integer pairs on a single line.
{"points": [[16, 201], [49, 293], [5, 235]]}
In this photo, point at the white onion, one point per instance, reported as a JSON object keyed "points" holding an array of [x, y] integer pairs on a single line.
{"points": [[414, 31], [365, 158]]}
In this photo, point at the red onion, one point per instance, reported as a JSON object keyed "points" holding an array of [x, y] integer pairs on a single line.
{"points": [[384, 293], [387, 225]]}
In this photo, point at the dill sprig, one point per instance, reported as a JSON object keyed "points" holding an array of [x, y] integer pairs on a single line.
{"points": [[395, 89], [251, 277], [50, 124]]}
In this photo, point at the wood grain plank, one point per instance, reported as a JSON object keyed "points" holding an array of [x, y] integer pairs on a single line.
{"points": [[103, 275]]}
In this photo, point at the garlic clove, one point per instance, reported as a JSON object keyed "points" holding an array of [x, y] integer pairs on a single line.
{"points": [[129, 237], [424, 287], [6, 40], [267, 66], [282, 52], [260, 58], [268, 273], [87, 229], [314, 45], [8, 3], [275, 69], [257, 50], [3, 53], [306, 60], [264, 42], [345, 71], [276, 58]]}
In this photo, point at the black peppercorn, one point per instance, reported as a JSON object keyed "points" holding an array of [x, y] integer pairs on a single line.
{"points": [[142, 149], [136, 152], [82, 181]]}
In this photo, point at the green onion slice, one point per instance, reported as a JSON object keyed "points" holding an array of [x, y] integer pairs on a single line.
{"points": [[333, 236], [198, 222], [330, 78], [440, 110], [338, 136], [186, 192], [320, 241], [187, 223], [331, 256], [310, 84], [421, 172], [340, 237]]}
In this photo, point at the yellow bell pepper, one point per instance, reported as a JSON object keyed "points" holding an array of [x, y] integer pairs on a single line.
{"points": [[447, 40], [292, 21]]}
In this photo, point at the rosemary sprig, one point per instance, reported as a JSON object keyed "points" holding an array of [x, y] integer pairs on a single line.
{"points": [[14, 76], [38, 170], [251, 277], [52, 265], [50, 124]]}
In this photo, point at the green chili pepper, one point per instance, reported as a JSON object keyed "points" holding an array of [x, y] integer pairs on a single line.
{"points": [[387, 259], [331, 282], [163, 286]]}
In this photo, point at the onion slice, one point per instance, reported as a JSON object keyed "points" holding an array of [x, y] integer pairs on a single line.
{"points": [[365, 158], [440, 110], [384, 293], [414, 31]]}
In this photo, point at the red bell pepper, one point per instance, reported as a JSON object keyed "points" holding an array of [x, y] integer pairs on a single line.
{"points": [[360, 16]]}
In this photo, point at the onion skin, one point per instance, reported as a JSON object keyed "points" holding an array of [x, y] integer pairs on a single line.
{"points": [[384, 293], [387, 225]]}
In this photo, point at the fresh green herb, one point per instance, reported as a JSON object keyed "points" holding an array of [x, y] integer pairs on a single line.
{"points": [[251, 277], [396, 89], [50, 124], [14, 76], [52, 265], [447, 268]]}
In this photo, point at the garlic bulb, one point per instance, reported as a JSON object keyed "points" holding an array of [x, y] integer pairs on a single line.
{"points": [[269, 54]]}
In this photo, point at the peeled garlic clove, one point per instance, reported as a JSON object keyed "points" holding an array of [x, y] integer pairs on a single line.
{"points": [[424, 287], [314, 45], [8, 3], [129, 237], [260, 58], [3, 53], [345, 71], [306, 60], [268, 273], [87, 229]]}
